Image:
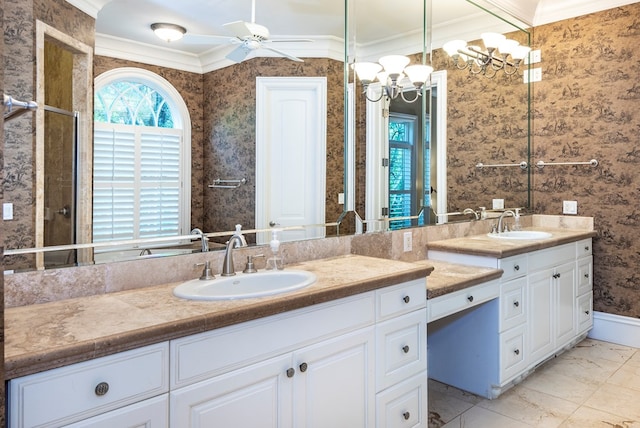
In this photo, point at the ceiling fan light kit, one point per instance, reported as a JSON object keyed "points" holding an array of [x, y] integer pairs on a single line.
{"points": [[168, 32]]}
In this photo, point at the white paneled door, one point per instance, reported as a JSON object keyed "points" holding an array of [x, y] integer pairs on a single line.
{"points": [[291, 129]]}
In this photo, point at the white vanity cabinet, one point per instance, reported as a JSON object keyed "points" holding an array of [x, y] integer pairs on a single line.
{"points": [[545, 306], [326, 365]]}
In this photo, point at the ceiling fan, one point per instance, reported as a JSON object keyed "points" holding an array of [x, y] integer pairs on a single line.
{"points": [[249, 37]]}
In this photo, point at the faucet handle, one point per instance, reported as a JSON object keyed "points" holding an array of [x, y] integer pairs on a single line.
{"points": [[249, 268], [206, 272]]}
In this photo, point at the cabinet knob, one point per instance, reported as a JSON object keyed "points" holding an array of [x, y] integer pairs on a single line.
{"points": [[516, 303], [586, 275], [405, 349], [406, 416], [516, 267], [101, 389], [406, 299], [517, 352], [470, 299], [586, 312], [586, 248], [303, 367], [290, 372], [556, 275]]}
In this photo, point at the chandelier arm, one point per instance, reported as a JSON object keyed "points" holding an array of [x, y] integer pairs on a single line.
{"points": [[382, 93], [413, 100]]}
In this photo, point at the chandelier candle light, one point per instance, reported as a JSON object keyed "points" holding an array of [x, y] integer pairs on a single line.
{"points": [[501, 54], [394, 75]]}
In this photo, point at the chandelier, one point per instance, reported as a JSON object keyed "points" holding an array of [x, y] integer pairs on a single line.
{"points": [[500, 54], [395, 77]]}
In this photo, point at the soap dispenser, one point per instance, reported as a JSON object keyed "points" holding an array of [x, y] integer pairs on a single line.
{"points": [[516, 220], [239, 234], [275, 261]]}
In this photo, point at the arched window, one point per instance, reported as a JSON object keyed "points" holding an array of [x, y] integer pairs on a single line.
{"points": [[142, 157]]}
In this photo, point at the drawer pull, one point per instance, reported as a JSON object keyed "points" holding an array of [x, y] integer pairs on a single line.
{"points": [[406, 299], [290, 372], [517, 352], [516, 267], [101, 389], [470, 299], [516, 303], [303, 367], [406, 416], [405, 349]]}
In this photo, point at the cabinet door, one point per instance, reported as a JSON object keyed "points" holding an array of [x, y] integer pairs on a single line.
{"points": [[565, 304], [151, 413], [540, 315], [257, 396], [334, 382]]}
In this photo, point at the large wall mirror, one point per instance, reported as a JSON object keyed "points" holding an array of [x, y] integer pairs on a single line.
{"points": [[223, 111], [461, 145]]}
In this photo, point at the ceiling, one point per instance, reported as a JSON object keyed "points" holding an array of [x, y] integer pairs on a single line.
{"points": [[123, 26]]}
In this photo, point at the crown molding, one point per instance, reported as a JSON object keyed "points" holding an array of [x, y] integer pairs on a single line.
{"points": [[553, 10], [116, 47], [90, 7]]}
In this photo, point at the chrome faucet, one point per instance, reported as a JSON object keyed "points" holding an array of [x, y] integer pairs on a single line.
{"points": [[203, 239], [471, 211], [500, 230], [227, 265]]}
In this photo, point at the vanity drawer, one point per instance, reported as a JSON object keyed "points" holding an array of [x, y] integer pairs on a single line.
{"points": [[460, 300], [585, 275], [512, 303], [202, 356], [401, 349], [512, 353], [403, 405], [585, 313], [401, 299], [68, 394], [513, 267], [584, 248], [553, 256]]}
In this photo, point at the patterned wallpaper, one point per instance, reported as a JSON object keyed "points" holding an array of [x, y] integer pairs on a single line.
{"points": [[586, 107]]}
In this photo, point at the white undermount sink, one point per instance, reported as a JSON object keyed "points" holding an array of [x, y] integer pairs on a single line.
{"points": [[245, 285], [521, 234]]}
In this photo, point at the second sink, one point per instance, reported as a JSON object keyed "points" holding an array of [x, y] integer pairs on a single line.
{"points": [[244, 286], [521, 234]]}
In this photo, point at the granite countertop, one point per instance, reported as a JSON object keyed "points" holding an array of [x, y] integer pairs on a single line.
{"points": [[483, 245], [450, 277], [45, 336]]}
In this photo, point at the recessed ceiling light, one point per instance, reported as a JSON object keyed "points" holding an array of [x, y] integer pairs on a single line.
{"points": [[168, 32]]}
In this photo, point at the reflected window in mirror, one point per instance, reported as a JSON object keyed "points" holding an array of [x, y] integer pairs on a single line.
{"points": [[140, 158]]}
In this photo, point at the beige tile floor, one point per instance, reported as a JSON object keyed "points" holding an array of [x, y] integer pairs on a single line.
{"points": [[596, 384]]}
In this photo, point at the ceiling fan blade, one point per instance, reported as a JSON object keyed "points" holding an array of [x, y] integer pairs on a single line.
{"points": [[281, 53], [206, 39], [287, 40], [243, 30], [238, 54]]}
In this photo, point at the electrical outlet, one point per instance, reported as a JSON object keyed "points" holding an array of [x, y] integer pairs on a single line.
{"points": [[341, 198], [498, 204], [569, 207], [534, 57], [7, 211], [408, 241], [533, 75]]}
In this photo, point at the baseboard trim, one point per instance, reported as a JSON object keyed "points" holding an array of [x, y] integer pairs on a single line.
{"points": [[616, 329]]}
